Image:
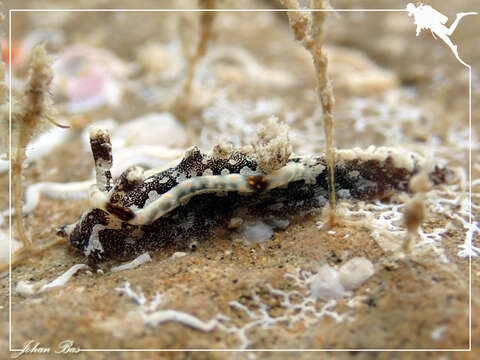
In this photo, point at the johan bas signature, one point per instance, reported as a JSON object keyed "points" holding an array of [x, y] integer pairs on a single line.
{"points": [[34, 347]]}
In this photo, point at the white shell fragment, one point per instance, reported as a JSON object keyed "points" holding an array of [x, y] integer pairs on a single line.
{"points": [[178, 255], [26, 288], [256, 233], [62, 279], [329, 283], [145, 257], [355, 272]]}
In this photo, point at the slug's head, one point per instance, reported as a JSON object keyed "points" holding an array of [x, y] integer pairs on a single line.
{"points": [[85, 234], [102, 236]]}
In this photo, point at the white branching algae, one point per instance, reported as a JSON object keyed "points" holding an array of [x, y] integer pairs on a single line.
{"points": [[144, 211], [152, 317]]}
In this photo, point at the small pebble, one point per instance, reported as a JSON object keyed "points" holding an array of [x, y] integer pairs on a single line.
{"points": [[178, 254]]}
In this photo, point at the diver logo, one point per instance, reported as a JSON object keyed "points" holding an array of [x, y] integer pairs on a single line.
{"points": [[426, 17]]}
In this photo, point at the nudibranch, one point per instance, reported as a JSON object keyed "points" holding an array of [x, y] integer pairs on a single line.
{"points": [[150, 210]]}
